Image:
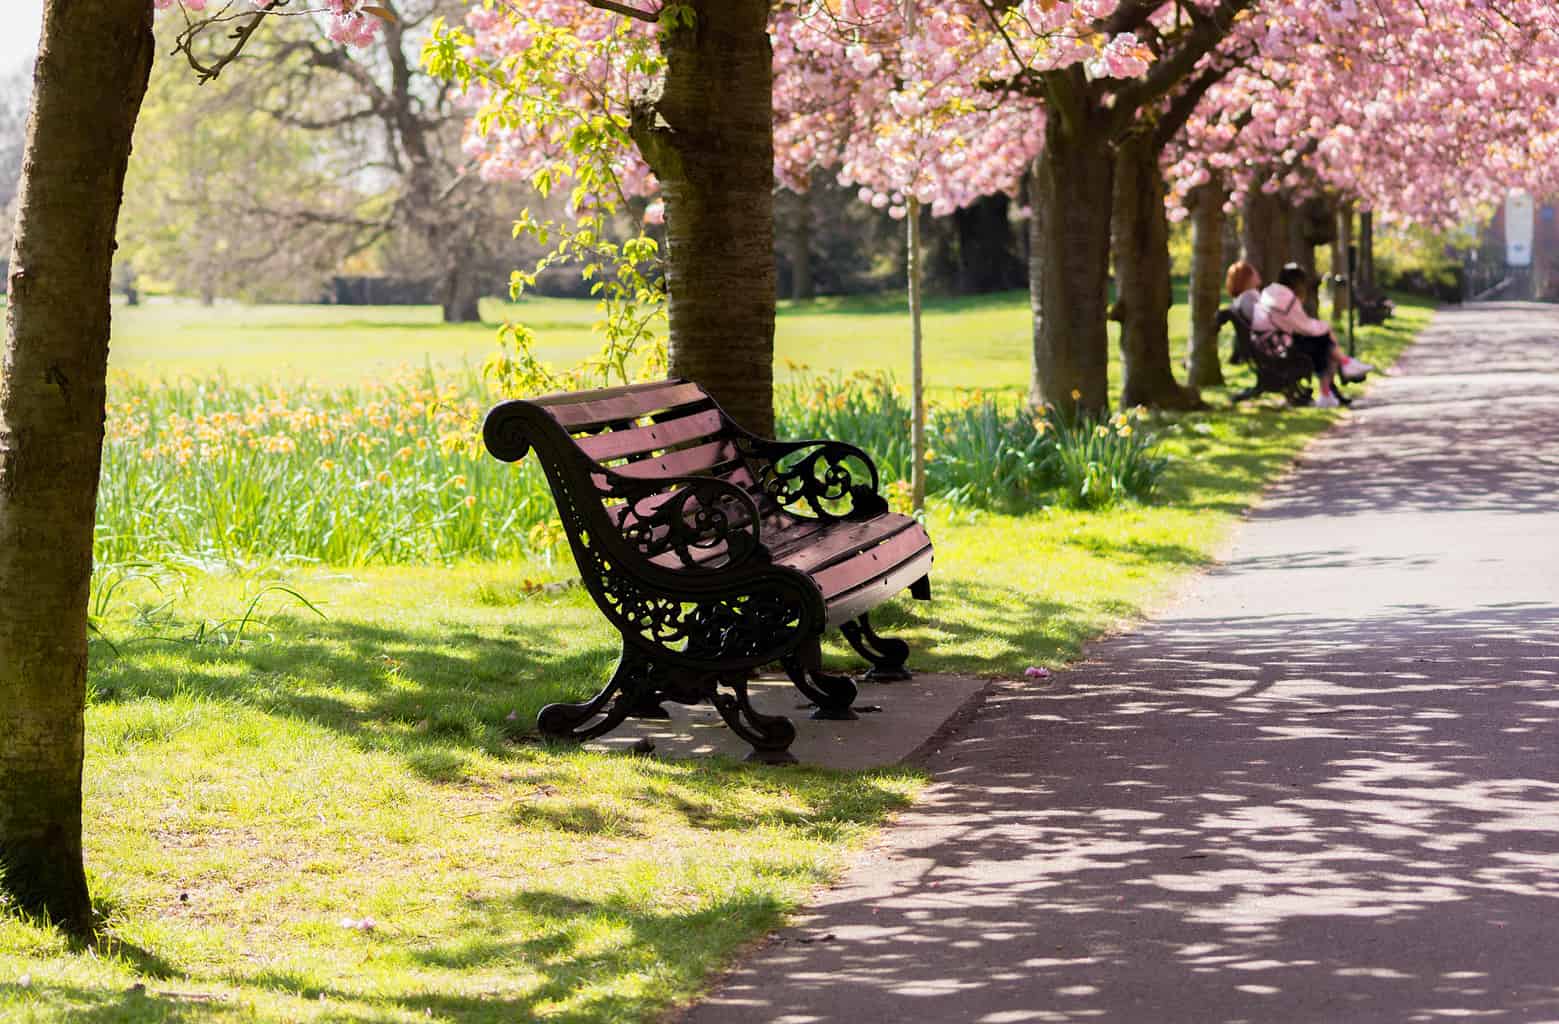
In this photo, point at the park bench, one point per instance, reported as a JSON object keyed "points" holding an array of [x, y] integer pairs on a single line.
{"points": [[1280, 368], [1373, 306], [714, 552]]}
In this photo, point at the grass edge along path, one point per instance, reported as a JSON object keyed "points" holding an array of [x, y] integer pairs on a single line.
{"points": [[340, 819]]}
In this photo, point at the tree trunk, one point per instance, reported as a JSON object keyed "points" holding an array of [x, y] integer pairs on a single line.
{"points": [[1301, 249], [1232, 228], [1142, 274], [1343, 238], [462, 295], [1266, 235], [1069, 266], [1203, 369], [987, 261], [1366, 272], [93, 63], [802, 286], [708, 137]]}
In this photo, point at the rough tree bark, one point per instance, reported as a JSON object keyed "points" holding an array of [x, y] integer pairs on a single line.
{"points": [[1142, 273], [1232, 232], [708, 137], [1208, 220], [1343, 240], [93, 62], [1072, 191], [1069, 264], [1266, 236]]}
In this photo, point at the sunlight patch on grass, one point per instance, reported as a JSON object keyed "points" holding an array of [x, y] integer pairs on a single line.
{"points": [[252, 801]]}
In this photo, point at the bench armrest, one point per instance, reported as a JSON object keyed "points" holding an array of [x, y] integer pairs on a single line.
{"points": [[696, 518], [818, 479]]}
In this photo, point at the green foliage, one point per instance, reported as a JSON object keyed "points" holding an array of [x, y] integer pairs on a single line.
{"points": [[1423, 257], [250, 805], [215, 473], [534, 92], [984, 453]]}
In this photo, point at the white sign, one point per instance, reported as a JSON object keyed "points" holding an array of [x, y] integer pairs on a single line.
{"points": [[1520, 227]]}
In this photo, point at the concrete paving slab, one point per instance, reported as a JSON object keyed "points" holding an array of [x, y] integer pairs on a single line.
{"points": [[904, 717], [1323, 787]]}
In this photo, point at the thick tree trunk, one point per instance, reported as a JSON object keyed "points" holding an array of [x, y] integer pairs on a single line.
{"points": [[708, 138], [1208, 263], [1232, 227], [93, 63], [1069, 266], [1266, 233], [1342, 239], [1301, 249], [1142, 274], [988, 260], [462, 295]]}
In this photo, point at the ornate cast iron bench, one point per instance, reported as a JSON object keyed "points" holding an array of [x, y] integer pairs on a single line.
{"points": [[714, 552], [1280, 368]]}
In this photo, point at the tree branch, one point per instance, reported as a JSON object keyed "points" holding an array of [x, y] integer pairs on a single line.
{"points": [[653, 17]]}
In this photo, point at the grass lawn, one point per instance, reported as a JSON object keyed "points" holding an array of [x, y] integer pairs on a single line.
{"points": [[980, 342], [253, 798]]}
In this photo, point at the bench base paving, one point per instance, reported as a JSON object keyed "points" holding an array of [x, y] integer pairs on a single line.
{"points": [[912, 714]]}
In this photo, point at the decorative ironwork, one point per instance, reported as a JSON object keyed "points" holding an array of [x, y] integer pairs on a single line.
{"points": [[834, 695], [887, 655], [829, 473], [707, 523], [678, 564]]}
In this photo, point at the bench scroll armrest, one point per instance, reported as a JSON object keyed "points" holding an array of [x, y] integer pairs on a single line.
{"points": [[820, 479], [696, 518]]}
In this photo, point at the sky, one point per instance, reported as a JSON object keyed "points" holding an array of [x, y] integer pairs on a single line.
{"points": [[19, 20]]}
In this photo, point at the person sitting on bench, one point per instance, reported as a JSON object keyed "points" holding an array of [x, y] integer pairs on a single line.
{"points": [[1279, 308]]}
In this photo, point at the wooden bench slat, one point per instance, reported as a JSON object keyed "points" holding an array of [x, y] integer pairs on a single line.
{"points": [[620, 444], [809, 553], [573, 397], [701, 459], [871, 563], [846, 606], [586, 415], [693, 620]]}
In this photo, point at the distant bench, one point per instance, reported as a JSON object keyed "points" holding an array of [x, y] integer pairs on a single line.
{"points": [[714, 552]]}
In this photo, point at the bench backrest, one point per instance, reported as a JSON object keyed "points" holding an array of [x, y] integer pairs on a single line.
{"points": [[649, 437]]}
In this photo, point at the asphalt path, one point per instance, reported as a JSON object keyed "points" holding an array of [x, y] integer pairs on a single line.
{"points": [[1322, 787]]}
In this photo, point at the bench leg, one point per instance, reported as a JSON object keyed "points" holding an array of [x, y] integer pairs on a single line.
{"points": [[887, 655], [615, 702], [630, 687], [770, 735], [832, 694]]}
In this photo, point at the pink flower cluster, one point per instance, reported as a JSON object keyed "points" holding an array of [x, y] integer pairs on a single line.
{"points": [[1422, 108], [349, 24], [897, 114]]}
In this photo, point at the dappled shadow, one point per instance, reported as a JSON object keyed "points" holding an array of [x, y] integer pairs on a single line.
{"points": [[1249, 819], [430, 694], [1445, 435], [1322, 788]]}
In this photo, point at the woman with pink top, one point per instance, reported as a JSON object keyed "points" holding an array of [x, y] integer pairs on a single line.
{"points": [[1280, 307]]}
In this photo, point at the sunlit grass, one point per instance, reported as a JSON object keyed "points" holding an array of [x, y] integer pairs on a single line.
{"points": [[254, 791]]}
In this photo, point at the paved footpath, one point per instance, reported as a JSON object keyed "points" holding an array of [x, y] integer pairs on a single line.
{"points": [[1323, 788]]}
